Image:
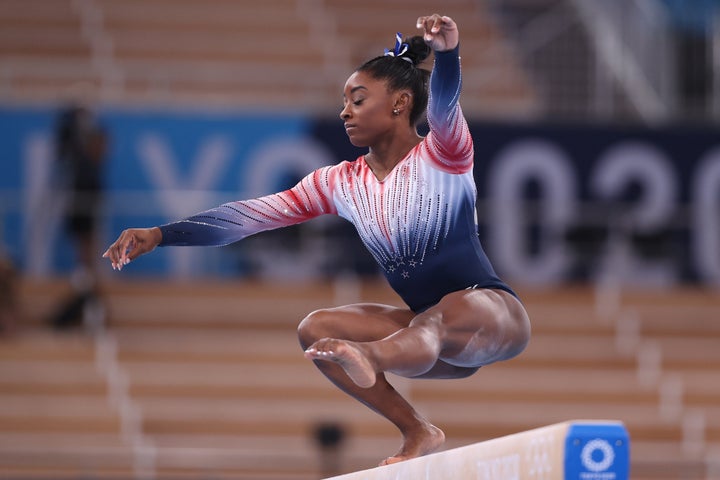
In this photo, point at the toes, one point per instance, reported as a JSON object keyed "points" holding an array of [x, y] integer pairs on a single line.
{"points": [[391, 460], [322, 349], [314, 354]]}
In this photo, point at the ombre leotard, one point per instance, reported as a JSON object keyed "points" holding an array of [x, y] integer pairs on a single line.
{"points": [[419, 223]]}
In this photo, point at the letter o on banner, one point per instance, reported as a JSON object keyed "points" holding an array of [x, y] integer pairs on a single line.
{"points": [[520, 163]]}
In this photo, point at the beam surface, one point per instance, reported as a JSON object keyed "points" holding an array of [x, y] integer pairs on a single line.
{"points": [[572, 450]]}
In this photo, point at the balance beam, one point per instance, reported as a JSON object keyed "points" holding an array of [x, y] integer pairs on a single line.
{"points": [[573, 450]]}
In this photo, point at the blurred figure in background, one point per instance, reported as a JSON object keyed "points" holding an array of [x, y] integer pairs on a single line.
{"points": [[8, 296], [80, 148]]}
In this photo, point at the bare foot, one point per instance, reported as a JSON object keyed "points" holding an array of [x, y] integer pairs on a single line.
{"points": [[426, 440], [346, 354]]}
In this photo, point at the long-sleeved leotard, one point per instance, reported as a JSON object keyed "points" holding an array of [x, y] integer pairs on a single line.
{"points": [[419, 223]]}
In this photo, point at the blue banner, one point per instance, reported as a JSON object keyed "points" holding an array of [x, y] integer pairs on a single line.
{"points": [[160, 166], [636, 203], [646, 201]]}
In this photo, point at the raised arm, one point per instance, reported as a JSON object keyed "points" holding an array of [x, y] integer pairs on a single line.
{"points": [[449, 135], [230, 222]]}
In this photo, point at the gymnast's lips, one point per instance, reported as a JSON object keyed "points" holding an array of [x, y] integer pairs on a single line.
{"points": [[349, 127]]}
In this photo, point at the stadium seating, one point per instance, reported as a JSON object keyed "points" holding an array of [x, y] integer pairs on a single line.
{"points": [[276, 54], [207, 379]]}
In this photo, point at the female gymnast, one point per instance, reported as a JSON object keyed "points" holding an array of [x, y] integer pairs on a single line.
{"points": [[412, 201]]}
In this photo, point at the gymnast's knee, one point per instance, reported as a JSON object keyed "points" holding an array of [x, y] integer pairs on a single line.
{"points": [[314, 326], [519, 340]]}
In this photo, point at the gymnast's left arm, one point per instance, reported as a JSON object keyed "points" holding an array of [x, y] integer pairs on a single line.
{"points": [[450, 142]]}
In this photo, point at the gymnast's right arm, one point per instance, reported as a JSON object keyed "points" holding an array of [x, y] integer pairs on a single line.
{"points": [[230, 222]]}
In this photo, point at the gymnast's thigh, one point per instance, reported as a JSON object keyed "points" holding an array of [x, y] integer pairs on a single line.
{"points": [[360, 322], [478, 326]]}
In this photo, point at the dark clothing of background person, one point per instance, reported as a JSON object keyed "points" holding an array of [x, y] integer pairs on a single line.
{"points": [[80, 147]]}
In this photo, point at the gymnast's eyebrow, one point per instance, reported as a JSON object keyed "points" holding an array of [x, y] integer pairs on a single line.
{"points": [[355, 89]]}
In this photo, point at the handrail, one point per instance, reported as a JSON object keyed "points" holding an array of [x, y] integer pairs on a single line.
{"points": [[131, 424], [623, 48], [101, 45]]}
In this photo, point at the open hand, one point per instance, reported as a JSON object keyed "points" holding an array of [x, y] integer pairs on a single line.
{"points": [[132, 243], [440, 32]]}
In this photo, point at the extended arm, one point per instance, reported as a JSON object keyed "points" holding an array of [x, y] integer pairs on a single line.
{"points": [[230, 222]]}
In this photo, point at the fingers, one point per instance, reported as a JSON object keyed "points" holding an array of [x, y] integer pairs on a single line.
{"points": [[118, 252], [114, 253], [439, 31], [432, 24], [429, 26], [437, 23], [132, 243]]}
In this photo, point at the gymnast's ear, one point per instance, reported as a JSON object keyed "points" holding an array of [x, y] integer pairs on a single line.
{"points": [[402, 102]]}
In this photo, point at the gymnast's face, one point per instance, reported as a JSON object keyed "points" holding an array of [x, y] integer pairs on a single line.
{"points": [[367, 110]]}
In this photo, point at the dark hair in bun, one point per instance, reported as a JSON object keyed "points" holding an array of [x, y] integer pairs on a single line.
{"points": [[402, 72]]}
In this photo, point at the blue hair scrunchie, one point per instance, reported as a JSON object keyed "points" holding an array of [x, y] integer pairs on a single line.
{"points": [[399, 50]]}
